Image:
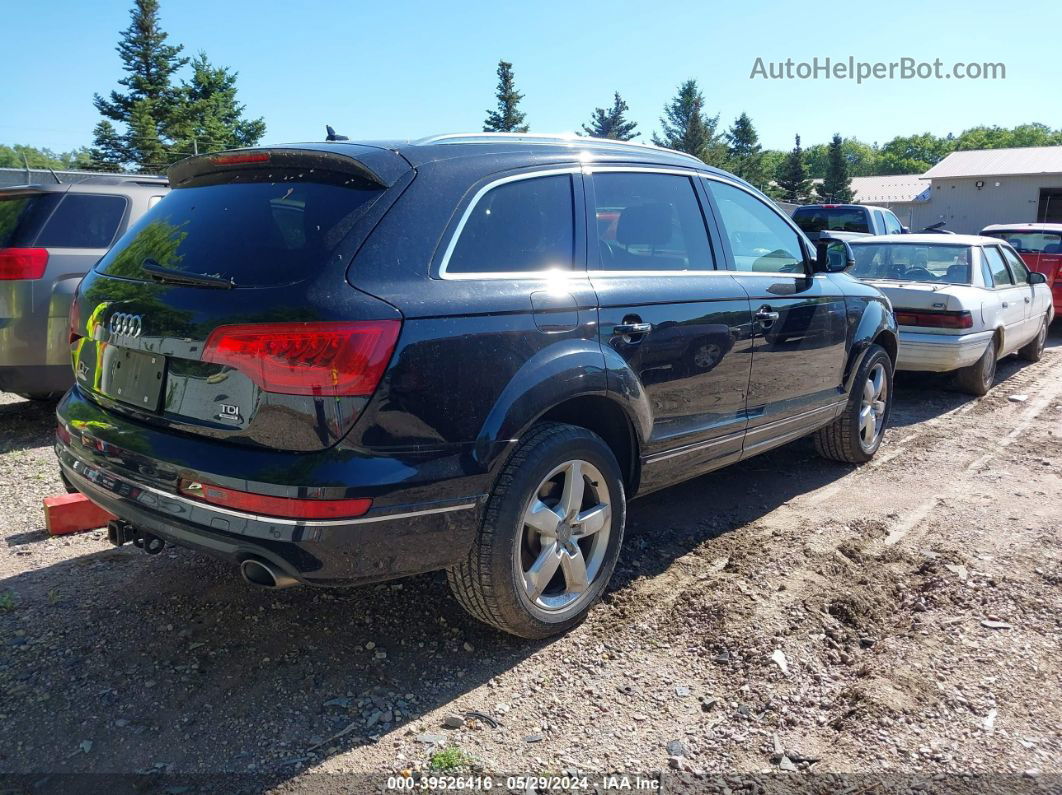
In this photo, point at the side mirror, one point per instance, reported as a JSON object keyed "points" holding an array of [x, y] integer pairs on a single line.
{"points": [[905, 230], [833, 256], [1037, 278]]}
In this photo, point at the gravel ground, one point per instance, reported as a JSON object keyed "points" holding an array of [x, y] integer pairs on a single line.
{"points": [[783, 623]]}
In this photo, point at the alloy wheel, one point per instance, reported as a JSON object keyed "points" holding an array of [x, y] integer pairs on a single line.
{"points": [[872, 408], [565, 533]]}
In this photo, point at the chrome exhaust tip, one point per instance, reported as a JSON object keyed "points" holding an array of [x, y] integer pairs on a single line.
{"points": [[260, 573]]}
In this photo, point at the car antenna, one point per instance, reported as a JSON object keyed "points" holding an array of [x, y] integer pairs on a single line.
{"points": [[332, 134], [59, 181]]}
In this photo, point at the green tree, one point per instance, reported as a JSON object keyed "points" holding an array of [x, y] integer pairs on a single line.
{"points": [[508, 117], [913, 154], [611, 123], [836, 186], [744, 153], [862, 158], [209, 117], [686, 127], [21, 155], [792, 178]]}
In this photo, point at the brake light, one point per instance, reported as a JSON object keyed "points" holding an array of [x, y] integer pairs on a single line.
{"points": [[322, 359], [62, 434], [74, 319], [935, 319], [264, 505], [22, 263], [230, 160]]}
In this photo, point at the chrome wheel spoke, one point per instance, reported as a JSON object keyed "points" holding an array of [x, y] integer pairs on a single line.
{"points": [[542, 570], [574, 566], [572, 497], [867, 423], [542, 518], [591, 520]]}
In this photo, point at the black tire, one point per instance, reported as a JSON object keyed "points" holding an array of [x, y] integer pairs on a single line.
{"points": [[979, 377], [487, 583], [1034, 351], [842, 439]]}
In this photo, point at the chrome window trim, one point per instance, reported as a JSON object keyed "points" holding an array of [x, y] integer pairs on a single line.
{"points": [[480, 275]]}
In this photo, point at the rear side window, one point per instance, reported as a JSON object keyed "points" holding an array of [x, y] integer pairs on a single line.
{"points": [[997, 267], [258, 228], [83, 220], [1017, 267], [521, 226], [650, 222], [759, 237], [22, 215]]}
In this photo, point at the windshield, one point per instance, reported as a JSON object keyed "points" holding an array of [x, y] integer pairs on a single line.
{"points": [[269, 228], [912, 262], [833, 219], [1029, 242]]}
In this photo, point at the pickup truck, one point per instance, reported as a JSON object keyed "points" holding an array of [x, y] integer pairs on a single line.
{"points": [[846, 221]]}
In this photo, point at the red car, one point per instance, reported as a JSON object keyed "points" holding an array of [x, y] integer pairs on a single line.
{"points": [[1040, 247]]}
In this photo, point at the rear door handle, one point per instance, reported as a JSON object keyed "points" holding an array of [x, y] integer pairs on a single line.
{"points": [[1005, 304], [765, 315], [631, 329]]}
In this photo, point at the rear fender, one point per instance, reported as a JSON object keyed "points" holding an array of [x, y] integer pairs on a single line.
{"points": [[872, 318]]}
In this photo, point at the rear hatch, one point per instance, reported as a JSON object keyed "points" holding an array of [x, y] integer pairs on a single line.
{"points": [[23, 213], [225, 311]]}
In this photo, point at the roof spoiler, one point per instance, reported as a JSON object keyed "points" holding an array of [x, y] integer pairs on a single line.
{"points": [[234, 160]]}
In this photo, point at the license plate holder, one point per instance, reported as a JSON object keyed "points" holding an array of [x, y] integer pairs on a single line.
{"points": [[135, 378]]}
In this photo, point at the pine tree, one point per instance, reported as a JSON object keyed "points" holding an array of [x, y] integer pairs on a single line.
{"points": [[507, 118], [611, 123], [745, 155], [209, 117], [792, 178], [686, 127], [109, 150], [837, 186]]}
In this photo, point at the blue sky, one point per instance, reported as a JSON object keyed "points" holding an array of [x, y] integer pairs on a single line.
{"points": [[406, 69]]}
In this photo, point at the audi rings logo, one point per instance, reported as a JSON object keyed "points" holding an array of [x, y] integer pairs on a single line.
{"points": [[122, 324]]}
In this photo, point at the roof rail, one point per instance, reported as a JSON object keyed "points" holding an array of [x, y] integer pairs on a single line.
{"points": [[546, 138]]}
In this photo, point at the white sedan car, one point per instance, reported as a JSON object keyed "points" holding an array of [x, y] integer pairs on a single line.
{"points": [[962, 302]]}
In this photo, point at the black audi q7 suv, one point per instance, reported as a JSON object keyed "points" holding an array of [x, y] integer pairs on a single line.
{"points": [[339, 363]]}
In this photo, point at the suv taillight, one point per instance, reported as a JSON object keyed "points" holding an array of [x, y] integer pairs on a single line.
{"points": [[322, 359], [22, 263], [934, 319], [265, 505]]}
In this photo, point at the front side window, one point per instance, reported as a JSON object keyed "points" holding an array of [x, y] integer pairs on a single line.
{"points": [[759, 237], [998, 268], [1017, 267], [83, 220], [892, 223], [650, 222], [521, 226]]}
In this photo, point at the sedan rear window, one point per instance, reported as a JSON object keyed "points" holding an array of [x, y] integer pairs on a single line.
{"points": [[912, 262], [835, 219], [257, 228]]}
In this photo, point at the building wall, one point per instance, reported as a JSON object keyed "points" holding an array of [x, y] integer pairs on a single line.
{"points": [[966, 209]]}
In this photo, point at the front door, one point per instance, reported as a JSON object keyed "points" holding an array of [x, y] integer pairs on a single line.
{"points": [[1010, 298], [799, 321], [669, 317], [1033, 302]]}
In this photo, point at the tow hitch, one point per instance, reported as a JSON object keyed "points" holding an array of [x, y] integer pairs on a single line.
{"points": [[120, 532]]}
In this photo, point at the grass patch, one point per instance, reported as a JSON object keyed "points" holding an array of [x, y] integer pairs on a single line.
{"points": [[7, 601], [448, 759]]}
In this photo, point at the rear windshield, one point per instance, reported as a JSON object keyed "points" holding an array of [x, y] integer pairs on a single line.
{"points": [[257, 228], [1031, 242], [833, 219], [23, 215], [912, 263]]}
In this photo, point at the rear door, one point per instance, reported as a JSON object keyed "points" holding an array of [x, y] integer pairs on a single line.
{"points": [[799, 319], [1009, 299], [1034, 301], [669, 310]]}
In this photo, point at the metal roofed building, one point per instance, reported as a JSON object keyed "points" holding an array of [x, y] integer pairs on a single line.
{"points": [[974, 188], [901, 193]]}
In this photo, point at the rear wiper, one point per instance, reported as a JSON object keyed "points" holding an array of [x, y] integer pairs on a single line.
{"points": [[162, 274]]}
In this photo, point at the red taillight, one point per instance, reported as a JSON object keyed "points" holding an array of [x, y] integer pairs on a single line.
{"points": [[325, 359], [264, 505], [230, 160], [62, 434], [74, 321], [934, 319], [22, 263]]}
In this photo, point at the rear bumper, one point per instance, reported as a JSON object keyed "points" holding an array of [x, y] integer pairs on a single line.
{"points": [[940, 352], [36, 379], [421, 527]]}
